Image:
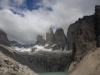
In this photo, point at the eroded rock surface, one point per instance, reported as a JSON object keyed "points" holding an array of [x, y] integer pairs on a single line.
{"points": [[50, 61], [60, 38]]}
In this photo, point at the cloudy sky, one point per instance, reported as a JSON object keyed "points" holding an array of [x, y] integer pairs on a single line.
{"points": [[23, 20]]}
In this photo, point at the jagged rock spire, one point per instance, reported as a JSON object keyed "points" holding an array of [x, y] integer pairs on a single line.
{"points": [[40, 40], [50, 37]]}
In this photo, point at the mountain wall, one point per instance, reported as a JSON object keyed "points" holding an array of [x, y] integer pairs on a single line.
{"points": [[49, 61], [83, 37]]}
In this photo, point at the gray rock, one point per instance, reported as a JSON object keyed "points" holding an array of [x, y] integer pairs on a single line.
{"points": [[60, 38], [81, 36], [50, 61], [40, 40], [49, 38], [10, 64], [97, 23]]}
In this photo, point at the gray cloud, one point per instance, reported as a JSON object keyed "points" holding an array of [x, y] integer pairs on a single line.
{"points": [[25, 29]]}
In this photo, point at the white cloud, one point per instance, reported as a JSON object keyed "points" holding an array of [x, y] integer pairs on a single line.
{"points": [[25, 29]]}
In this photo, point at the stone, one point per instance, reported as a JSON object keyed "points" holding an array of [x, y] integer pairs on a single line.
{"points": [[83, 37], [60, 38], [49, 38], [40, 40], [50, 61], [3, 38]]}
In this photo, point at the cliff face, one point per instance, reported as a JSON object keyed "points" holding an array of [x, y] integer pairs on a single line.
{"points": [[84, 36], [60, 38], [49, 61], [81, 36], [97, 26], [90, 64], [3, 38], [57, 40], [49, 38]]}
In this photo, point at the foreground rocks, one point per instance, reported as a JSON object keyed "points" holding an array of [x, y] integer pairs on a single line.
{"points": [[3, 38], [90, 64], [8, 65]]}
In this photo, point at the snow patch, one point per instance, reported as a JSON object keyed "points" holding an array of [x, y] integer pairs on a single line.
{"points": [[41, 48]]}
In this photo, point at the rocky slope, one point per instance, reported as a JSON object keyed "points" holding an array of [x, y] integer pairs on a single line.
{"points": [[83, 37], [13, 64], [90, 64]]}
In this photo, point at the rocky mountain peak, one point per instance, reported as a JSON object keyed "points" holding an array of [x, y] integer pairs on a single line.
{"points": [[50, 37], [60, 38], [3, 35], [40, 40]]}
